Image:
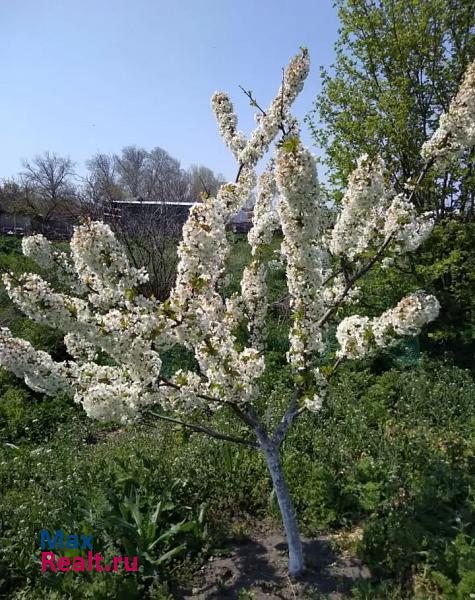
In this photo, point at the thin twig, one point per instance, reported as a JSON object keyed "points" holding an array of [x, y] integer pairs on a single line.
{"points": [[241, 167], [247, 416], [336, 364], [11, 275], [206, 430], [253, 100], [254, 103]]}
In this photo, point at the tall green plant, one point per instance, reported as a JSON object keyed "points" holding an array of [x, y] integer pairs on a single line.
{"points": [[398, 63]]}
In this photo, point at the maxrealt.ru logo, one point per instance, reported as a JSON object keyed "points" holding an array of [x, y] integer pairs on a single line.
{"points": [[92, 562]]}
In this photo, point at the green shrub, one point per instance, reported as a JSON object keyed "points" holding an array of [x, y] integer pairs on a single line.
{"points": [[444, 266]]}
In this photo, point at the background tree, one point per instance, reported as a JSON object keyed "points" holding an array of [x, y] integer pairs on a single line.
{"points": [[152, 234], [101, 186], [398, 63], [13, 197], [150, 175], [202, 180], [48, 185], [397, 66]]}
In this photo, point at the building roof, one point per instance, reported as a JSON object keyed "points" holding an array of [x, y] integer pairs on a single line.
{"points": [[242, 216], [153, 202]]}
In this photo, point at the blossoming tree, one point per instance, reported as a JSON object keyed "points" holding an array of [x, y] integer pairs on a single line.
{"points": [[325, 256]]}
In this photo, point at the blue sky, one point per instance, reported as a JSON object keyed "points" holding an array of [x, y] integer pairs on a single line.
{"points": [[85, 76]]}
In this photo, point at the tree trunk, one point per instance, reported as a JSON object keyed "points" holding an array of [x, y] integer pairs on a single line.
{"points": [[271, 454]]}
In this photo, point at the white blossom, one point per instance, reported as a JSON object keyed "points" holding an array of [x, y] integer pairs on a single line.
{"points": [[42, 251], [264, 218], [102, 264], [359, 220], [300, 212], [276, 115], [254, 277], [227, 122], [456, 131], [372, 213], [407, 228], [314, 402], [79, 348], [36, 367], [358, 336], [111, 393]]}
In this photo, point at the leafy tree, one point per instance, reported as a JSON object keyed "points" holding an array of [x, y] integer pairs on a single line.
{"points": [[398, 63], [445, 266]]}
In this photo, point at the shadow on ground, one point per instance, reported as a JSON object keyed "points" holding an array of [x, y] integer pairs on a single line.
{"points": [[259, 566]]}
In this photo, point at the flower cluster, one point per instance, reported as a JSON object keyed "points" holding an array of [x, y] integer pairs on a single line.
{"points": [[318, 391], [41, 250], [36, 299], [268, 123], [111, 394], [185, 392], [253, 282], [227, 123], [128, 332], [254, 298], [300, 212], [357, 221], [79, 348], [456, 130], [36, 367], [264, 218], [358, 336], [407, 229], [206, 321], [103, 266], [373, 214]]}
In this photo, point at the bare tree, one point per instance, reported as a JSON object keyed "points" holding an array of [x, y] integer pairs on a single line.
{"points": [[150, 232], [150, 175], [131, 168], [203, 181], [136, 173], [151, 238], [48, 185], [162, 177], [101, 185], [49, 175]]}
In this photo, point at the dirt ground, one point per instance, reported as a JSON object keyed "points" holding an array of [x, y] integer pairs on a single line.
{"points": [[258, 566]]}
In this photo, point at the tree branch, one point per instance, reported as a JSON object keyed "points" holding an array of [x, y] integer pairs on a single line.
{"points": [[248, 416], [287, 419], [206, 430], [350, 281]]}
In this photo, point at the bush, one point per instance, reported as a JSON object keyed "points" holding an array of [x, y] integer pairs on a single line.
{"points": [[444, 266], [392, 452]]}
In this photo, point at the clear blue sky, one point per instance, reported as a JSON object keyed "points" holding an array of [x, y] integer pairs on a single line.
{"points": [[85, 76]]}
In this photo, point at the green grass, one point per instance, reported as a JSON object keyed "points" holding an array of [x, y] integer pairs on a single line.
{"points": [[391, 453]]}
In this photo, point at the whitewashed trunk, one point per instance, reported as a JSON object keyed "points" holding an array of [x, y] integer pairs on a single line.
{"points": [[272, 457]]}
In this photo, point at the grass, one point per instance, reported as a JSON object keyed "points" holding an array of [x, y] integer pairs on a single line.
{"points": [[390, 454]]}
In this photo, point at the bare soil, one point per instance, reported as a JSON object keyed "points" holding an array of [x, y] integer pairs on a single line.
{"points": [[258, 565]]}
